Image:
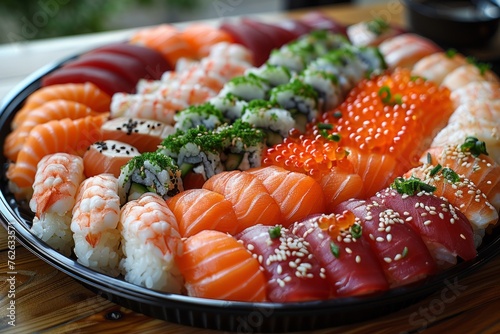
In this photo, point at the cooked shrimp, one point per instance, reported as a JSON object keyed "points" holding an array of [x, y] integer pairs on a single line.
{"points": [[57, 179], [465, 74], [191, 94], [94, 223], [486, 111], [476, 91], [436, 66], [150, 242], [232, 51], [406, 49], [146, 106]]}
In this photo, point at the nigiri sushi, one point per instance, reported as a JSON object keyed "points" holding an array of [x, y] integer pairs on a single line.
{"points": [[151, 243], [55, 186], [107, 156], [94, 223], [213, 264]]}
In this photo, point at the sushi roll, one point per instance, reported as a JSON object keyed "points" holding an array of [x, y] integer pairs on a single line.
{"points": [[248, 87], [230, 105], [326, 85], [275, 121], [57, 179], [150, 244], [243, 145], [276, 75], [196, 150], [371, 57], [107, 156], [94, 224], [293, 61], [298, 97], [206, 114], [149, 172]]}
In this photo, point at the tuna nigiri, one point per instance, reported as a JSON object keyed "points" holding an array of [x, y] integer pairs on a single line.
{"points": [[213, 264], [293, 274]]}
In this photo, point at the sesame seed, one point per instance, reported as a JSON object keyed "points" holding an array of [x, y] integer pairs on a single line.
{"points": [[462, 236], [427, 222], [387, 259], [380, 239], [389, 237], [279, 270], [348, 250], [250, 247], [398, 257], [358, 259]]}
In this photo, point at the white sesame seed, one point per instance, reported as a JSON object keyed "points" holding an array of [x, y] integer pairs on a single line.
{"points": [[427, 222], [348, 250], [358, 259], [387, 259], [250, 247], [398, 257], [389, 237], [462, 236], [379, 239], [279, 270]]}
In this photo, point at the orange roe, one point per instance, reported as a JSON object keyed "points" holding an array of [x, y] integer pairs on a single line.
{"points": [[335, 224], [312, 155], [394, 113]]}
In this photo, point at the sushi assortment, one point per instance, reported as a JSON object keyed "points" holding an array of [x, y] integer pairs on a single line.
{"points": [[264, 162]]}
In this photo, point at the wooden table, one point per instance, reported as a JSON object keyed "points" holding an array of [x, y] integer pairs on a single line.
{"points": [[49, 301]]}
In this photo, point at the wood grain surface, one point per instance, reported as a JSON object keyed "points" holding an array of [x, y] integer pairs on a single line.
{"points": [[49, 301]]}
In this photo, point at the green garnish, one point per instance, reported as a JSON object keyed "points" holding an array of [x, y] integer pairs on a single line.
{"points": [[297, 87], [475, 146], [482, 67], [200, 136], [429, 158], [240, 133], [356, 231], [335, 249], [450, 175], [325, 126], [435, 170], [378, 26], [411, 186], [385, 94], [275, 232], [450, 53], [405, 252], [337, 114]]}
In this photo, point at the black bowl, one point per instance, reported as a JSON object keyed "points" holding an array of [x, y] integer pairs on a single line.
{"points": [[454, 23]]}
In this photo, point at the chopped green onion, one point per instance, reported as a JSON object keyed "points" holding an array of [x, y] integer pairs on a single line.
{"points": [[377, 26], [475, 146], [429, 158], [405, 252], [450, 175], [334, 137], [450, 53], [385, 94], [275, 232], [356, 231], [435, 170], [337, 114], [335, 249], [411, 186], [325, 126]]}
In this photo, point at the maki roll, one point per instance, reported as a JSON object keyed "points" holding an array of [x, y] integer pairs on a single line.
{"points": [[371, 57], [299, 98], [149, 172], [206, 114], [196, 150], [243, 145], [294, 61], [275, 74], [326, 86], [248, 87], [275, 121], [230, 105]]}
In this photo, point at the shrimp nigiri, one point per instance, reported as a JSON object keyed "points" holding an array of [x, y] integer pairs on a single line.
{"points": [[55, 186], [94, 224], [150, 243]]}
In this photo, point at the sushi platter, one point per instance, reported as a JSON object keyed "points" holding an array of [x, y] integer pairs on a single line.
{"points": [[228, 180]]}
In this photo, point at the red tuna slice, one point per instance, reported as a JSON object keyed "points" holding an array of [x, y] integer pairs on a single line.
{"points": [[400, 250], [107, 81], [125, 66], [319, 21], [276, 34], [296, 27], [293, 274], [445, 230], [350, 264], [153, 61], [257, 42]]}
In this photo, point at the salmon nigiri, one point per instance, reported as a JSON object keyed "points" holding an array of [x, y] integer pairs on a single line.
{"points": [[70, 136], [298, 195], [460, 192], [251, 201], [85, 93], [465, 159], [107, 156], [340, 184], [202, 36], [216, 265], [51, 110], [202, 209]]}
